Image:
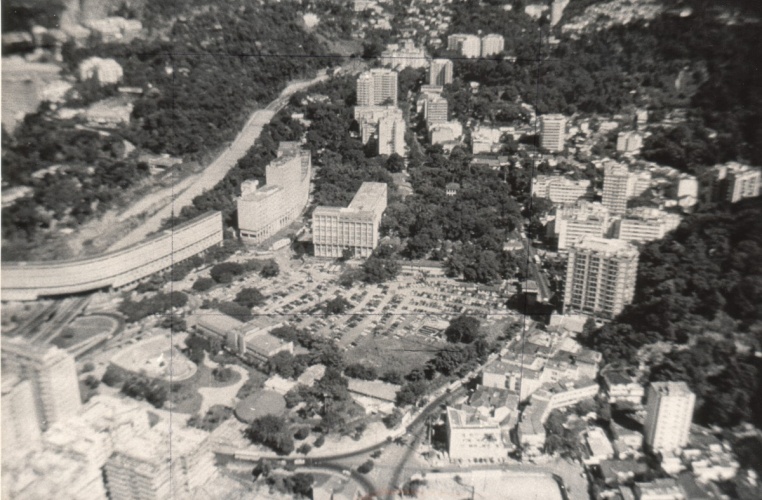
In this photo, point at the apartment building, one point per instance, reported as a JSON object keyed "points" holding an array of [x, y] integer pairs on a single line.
{"points": [[572, 222], [377, 86], [262, 212], [468, 46], [447, 132], [368, 117], [600, 276], [440, 72], [391, 135], [559, 188], [435, 109], [552, 132], [645, 224], [472, 436], [616, 182], [492, 44], [53, 377], [406, 55], [669, 413], [20, 430], [335, 229], [629, 142], [733, 182]]}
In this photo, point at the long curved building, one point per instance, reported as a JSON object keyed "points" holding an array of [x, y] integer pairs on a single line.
{"points": [[112, 270]]}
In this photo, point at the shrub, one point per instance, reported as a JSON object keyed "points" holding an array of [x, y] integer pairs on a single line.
{"points": [[203, 284], [237, 311], [320, 441], [304, 449], [365, 467], [225, 272], [302, 433]]}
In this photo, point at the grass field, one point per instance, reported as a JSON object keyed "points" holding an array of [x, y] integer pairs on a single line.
{"points": [[84, 328], [389, 353]]}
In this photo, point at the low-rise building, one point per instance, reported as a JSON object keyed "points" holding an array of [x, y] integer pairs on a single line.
{"points": [[103, 71], [567, 392], [560, 189], [492, 44], [444, 133], [621, 386], [598, 446], [643, 224], [531, 429], [471, 436], [452, 188], [406, 55], [109, 113], [485, 140], [659, 489], [629, 142], [733, 182]]}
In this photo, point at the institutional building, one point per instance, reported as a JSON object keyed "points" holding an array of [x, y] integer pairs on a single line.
{"points": [[472, 436], [492, 44], [335, 229], [251, 341], [552, 132], [643, 224], [377, 86], [560, 189], [404, 56], [391, 135], [733, 182], [112, 270], [262, 212], [572, 222], [440, 72], [469, 46], [600, 276], [616, 179], [435, 109], [53, 377], [669, 407]]}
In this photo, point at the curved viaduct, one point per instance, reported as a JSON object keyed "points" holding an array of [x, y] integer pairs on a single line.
{"points": [[111, 270]]}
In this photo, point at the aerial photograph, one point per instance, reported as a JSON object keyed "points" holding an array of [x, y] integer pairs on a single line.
{"points": [[381, 249]]}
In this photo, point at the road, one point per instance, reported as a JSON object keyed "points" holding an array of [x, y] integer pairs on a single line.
{"points": [[216, 171]]}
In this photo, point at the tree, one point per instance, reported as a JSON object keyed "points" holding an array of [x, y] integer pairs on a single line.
{"points": [[463, 329], [337, 305], [365, 467], [225, 272], [271, 431], [304, 449], [378, 270], [270, 269], [393, 419], [363, 372], [237, 311], [250, 297], [395, 163], [281, 363], [301, 483], [302, 433], [392, 377]]}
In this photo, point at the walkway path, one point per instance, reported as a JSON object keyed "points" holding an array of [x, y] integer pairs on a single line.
{"points": [[217, 170], [225, 396]]}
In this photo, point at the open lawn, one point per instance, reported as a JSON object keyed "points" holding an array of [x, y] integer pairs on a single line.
{"points": [[390, 353], [84, 328]]}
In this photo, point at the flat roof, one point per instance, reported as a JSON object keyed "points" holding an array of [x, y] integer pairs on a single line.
{"points": [[368, 196]]}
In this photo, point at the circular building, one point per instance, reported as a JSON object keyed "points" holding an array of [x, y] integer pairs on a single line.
{"points": [[259, 404], [156, 358]]}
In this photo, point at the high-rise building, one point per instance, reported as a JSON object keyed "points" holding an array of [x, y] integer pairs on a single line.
{"points": [[368, 117], [492, 44], [20, 430], [377, 86], [644, 224], [440, 72], [53, 377], [335, 229], [264, 211], [600, 276], [616, 181], [629, 142], [734, 182], [572, 222], [391, 135], [669, 407], [435, 109], [469, 46], [552, 132], [560, 189], [405, 56]]}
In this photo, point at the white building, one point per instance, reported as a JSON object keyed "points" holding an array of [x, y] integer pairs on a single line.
{"points": [[377, 86], [560, 189], [485, 140], [435, 109], [669, 409], [472, 436], [20, 431], [443, 133], [368, 117], [404, 56], [645, 224], [572, 222], [600, 276], [104, 71], [335, 229], [734, 182], [391, 135], [440, 72], [468, 46], [552, 132], [492, 44], [629, 142], [616, 182]]}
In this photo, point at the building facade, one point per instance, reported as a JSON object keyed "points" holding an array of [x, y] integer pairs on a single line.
{"points": [[391, 135], [435, 109], [629, 142], [404, 56], [377, 86], [616, 179], [471, 436], [19, 429], [262, 212], [669, 408], [600, 276], [335, 229], [492, 44], [440, 72], [469, 46], [644, 224], [52, 374], [733, 182], [572, 222], [552, 132], [560, 189]]}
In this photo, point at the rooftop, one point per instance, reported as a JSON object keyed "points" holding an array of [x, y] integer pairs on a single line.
{"points": [[368, 196], [672, 388], [606, 246]]}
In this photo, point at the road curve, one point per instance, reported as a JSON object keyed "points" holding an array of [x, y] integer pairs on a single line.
{"points": [[217, 170]]}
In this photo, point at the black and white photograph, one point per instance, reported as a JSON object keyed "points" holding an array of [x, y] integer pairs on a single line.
{"points": [[381, 249]]}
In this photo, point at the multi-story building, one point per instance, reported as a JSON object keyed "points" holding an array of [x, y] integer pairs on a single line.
{"points": [[566, 392], [469, 46], [638, 183], [557, 11], [444, 133], [19, 429], [734, 182], [572, 222], [620, 386], [686, 186], [645, 224], [485, 140], [669, 408], [560, 189], [492, 44], [470, 435], [53, 376], [404, 56], [435, 109], [440, 72], [660, 489], [629, 142], [335, 229], [391, 135], [552, 132], [377, 86], [600, 276], [262, 212], [368, 118], [616, 180]]}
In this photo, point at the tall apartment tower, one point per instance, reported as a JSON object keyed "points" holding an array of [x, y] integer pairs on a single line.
{"points": [[335, 229], [391, 135], [552, 132], [492, 44], [669, 408], [616, 184], [376, 86], [435, 109], [469, 46], [19, 429], [600, 276], [734, 182], [440, 72], [53, 377]]}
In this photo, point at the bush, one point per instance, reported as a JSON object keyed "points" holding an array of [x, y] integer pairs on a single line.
{"points": [[360, 371], [223, 374], [365, 467], [273, 432], [88, 367], [225, 272], [250, 297], [113, 377], [304, 449], [270, 269], [320, 441], [203, 284], [337, 305], [393, 419], [302, 433]]}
